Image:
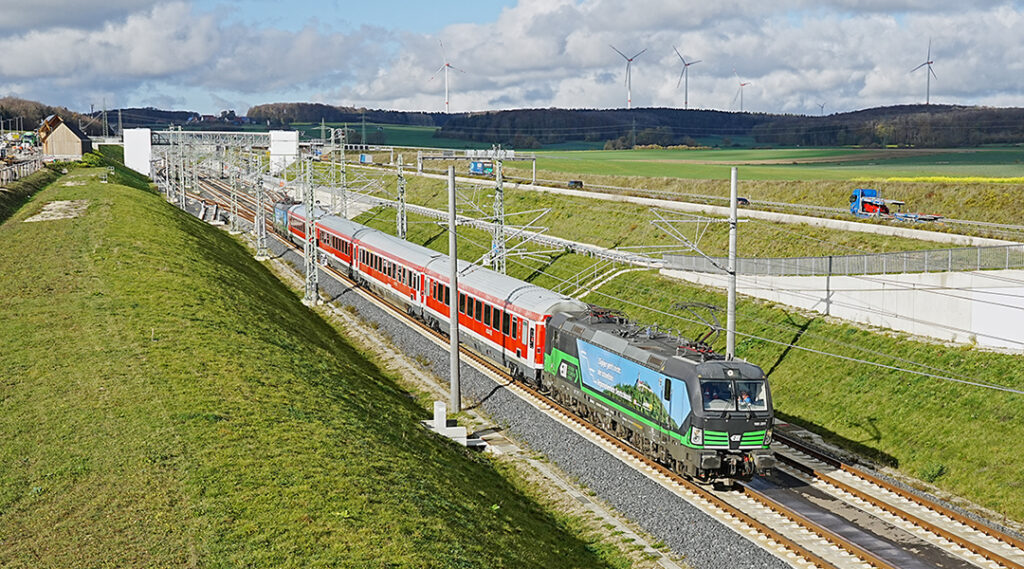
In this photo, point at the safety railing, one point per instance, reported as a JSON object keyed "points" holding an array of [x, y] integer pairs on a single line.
{"points": [[926, 261]]}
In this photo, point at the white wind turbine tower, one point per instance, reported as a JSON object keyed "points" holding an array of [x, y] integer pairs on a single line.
{"points": [[928, 61], [445, 67], [629, 83], [739, 92], [684, 73]]}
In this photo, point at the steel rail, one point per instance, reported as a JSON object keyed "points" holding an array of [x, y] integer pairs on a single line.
{"points": [[910, 496]]}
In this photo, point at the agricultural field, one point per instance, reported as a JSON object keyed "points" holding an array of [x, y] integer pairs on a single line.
{"points": [[794, 164], [628, 225]]}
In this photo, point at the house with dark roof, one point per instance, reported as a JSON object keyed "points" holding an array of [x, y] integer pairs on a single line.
{"points": [[62, 140]]}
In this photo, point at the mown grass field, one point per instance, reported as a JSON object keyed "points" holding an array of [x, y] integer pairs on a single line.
{"points": [[960, 438], [791, 164], [166, 401]]}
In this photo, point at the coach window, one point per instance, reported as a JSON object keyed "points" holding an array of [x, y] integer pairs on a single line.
{"points": [[478, 311], [496, 320], [487, 315], [515, 327], [462, 303], [504, 323]]}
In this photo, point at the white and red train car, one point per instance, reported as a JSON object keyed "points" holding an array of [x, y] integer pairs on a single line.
{"points": [[499, 316]]}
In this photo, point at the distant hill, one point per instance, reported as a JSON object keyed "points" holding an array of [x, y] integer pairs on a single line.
{"points": [[904, 125], [32, 113], [923, 126], [149, 116], [282, 114], [936, 126]]}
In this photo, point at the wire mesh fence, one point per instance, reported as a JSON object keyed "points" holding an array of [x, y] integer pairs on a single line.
{"points": [[927, 261]]}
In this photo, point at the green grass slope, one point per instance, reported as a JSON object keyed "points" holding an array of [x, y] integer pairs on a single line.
{"points": [[166, 401]]}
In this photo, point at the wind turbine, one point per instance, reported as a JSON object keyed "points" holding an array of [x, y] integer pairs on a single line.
{"points": [[739, 92], [822, 107], [928, 61], [445, 67], [684, 73], [629, 66]]}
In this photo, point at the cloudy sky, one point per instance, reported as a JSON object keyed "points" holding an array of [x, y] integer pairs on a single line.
{"points": [[212, 55]]}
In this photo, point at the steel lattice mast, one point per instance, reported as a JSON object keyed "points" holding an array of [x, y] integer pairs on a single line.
{"points": [[498, 238], [260, 220], [312, 271], [401, 221]]}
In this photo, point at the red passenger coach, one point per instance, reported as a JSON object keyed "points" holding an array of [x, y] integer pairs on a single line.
{"points": [[499, 316]]}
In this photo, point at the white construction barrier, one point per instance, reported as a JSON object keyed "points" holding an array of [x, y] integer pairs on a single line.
{"points": [[138, 149], [284, 149]]}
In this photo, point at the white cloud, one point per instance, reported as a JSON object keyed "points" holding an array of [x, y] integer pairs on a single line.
{"points": [[849, 54], [23, 14]]}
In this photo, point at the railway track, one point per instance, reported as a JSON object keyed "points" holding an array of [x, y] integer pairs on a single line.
{"points": [[814, 512]]}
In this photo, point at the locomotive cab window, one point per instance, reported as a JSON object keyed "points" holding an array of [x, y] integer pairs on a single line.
{"points": [[751, 396], [718, 395]]}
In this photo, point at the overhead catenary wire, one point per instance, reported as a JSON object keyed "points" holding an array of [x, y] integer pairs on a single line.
{"points": [[941, 373]]}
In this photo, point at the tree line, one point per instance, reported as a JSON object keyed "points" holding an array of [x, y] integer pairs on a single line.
{"points": [[283, 114]]}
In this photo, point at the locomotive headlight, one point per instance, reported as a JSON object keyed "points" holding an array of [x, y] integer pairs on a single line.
{"points": [[697, 436], [768, 436]]}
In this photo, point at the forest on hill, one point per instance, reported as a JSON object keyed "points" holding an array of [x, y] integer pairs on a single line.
{"points": [[284, 114], [904, 125], [936, 126]]}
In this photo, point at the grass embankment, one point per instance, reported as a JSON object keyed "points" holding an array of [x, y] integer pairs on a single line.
{"points": [[964, 194], [952, 197], [166, 401], [17, 193], [615, 224], [959, 437]]}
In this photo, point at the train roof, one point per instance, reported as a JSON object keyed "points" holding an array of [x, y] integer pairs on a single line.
{"points": [[492, 286], [653, 349]]}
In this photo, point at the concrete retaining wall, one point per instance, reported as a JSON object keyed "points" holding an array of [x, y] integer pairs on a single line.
{"points": [[983, 307]]}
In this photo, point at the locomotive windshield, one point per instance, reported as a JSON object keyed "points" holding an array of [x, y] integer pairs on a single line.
{"points": [[728, 395]]}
